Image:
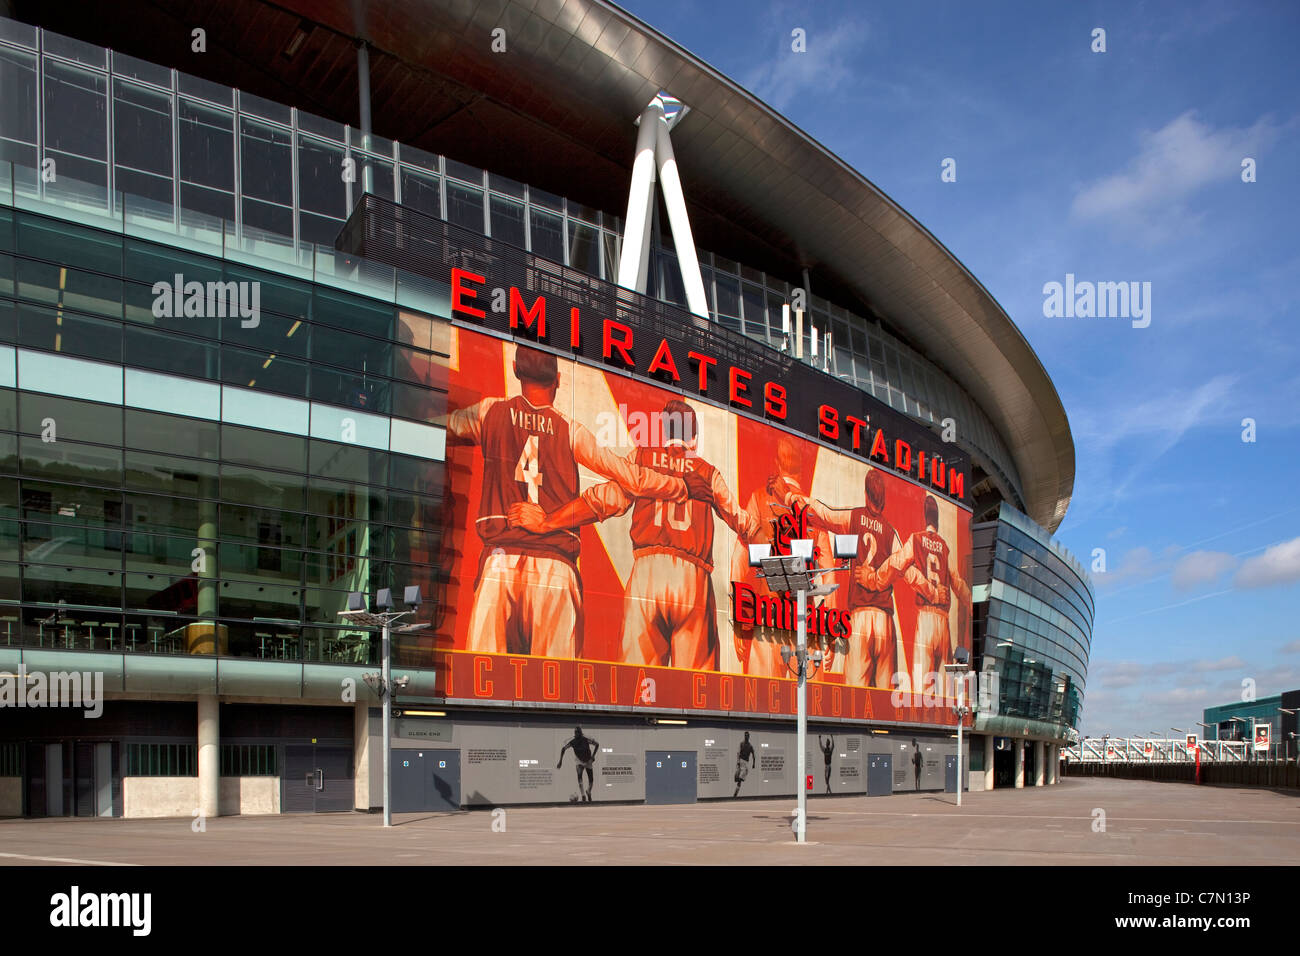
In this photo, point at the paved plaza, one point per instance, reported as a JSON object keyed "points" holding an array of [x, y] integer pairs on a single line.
{"points": [[1145, 823]]}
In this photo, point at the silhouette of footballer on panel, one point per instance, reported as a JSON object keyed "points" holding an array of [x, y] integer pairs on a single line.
{"points": [[584, 752]]}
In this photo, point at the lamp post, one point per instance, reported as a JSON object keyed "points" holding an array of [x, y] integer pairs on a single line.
{"points": [[1178, 731], [1250, 745], [383, 618], [786, 574], [1289, 734], [959, 668]]}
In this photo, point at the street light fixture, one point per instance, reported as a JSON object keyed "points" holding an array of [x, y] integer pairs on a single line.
{"points": [[960, 667], [383, 684], [791, 573], [1290, 735]]}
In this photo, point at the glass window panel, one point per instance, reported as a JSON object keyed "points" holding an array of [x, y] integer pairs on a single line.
{"points": [[465, 207], [336, 347], [268, 217], [98, 587], [349, 390], [321, 188], [76, 111], [151, 431], [584, 248], [255, 486], [176, 354], [66, 418], [170, 474], [270, 449], [348, 462], [420, 191], [503, 184], [207, 147], [205, 89], [69, 334], [124, 65], [508, 221], [547, 235], [310, 123], [18, 105], [470, 174], [320, 230], [351, 312], [267, 109], [69, 289], [345, 501], [380, 181], [269, 372], [755, 319], [71, 461], [612, 250], [540, 197], [142, 128]]}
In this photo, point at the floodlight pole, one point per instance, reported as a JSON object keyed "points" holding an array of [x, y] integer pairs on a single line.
{"points": [[387, 678], [801, 658]]}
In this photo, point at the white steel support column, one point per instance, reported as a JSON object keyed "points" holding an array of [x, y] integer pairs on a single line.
{"points": [[1040, 763], [1019, 749], [209, 756], [683, 240], [634, 261], [988, 762]]}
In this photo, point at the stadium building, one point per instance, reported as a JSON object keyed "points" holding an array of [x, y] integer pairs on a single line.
{"points": [[523, 305]]}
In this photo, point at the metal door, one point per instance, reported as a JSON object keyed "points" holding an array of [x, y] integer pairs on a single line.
{"points": [[950, 774], [670, 777], [880, 775], [317, 779], [425, 780]]}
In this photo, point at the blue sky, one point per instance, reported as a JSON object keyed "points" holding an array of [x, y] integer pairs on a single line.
{"points": [[1115, 166]]}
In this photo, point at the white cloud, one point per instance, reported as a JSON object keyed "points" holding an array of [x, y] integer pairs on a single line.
{"points": [[825, 65], [1172, 164], [1201, 567], [1292, 647], [1280, 564]]}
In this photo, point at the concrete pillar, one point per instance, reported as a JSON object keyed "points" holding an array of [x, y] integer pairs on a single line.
{"points": [[361, 755], [1040, 763], [1019, 747], [988, 762], [209, 756], [1053, 762]]}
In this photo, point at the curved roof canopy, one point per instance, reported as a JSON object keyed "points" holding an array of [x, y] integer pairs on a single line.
{"points": [[558, 108]]}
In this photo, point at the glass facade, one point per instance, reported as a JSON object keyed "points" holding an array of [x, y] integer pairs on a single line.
{"points": [[143, 142], [186, 485], [1033, 614]]}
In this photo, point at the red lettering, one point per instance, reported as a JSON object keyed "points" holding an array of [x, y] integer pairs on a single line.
{"points": [[837, 700], [551, 680], [828, 422], [920, 464], [736, 387], [858, 424], [663, 360], [774, 400], [482, 686], [956, 483], [574, 341], [613, 684], [705, 363], [817, 699], [640, 696], [751, 693], [742, 604], [609, 344], [519, 663], [878, 447], [902, 455], [726, 693], [536, 314], [586, 683], [937, 471], [697, 691], [773, 705], [460, 292]]}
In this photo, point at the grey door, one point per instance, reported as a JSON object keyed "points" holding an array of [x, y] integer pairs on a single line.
{"points": [[317, 779], [425, 780], [950, 774], [670, 777], [880, 775]]}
